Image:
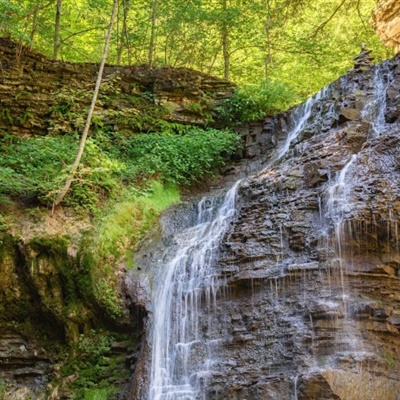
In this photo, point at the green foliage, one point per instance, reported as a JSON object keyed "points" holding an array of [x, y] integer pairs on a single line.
{"points": [[254, 102], [105, 293], [96, 369], [5, 115], [118, 228], [33, 169], [128, 219], [93, 346], [305, 44], [99, 394], [3, 224], [2, 389], [388, 357], [179, 159]]}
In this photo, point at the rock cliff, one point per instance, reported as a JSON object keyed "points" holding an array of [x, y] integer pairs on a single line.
{"points": [[312, 262], [308, 305], [386, 21], [40, 96]]}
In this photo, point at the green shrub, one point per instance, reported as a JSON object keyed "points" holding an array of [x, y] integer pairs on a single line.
{"points": [[179, 159], [254, 102], [98, 394], [98, 371], [36, 168], [2, 389]]}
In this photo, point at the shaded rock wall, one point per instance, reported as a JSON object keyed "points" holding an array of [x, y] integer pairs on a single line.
{"points": [[47, 302]]}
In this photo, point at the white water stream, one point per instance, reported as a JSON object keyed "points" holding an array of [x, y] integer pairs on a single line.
{"points": [[374, 111], [181, 356], [301, 118]]}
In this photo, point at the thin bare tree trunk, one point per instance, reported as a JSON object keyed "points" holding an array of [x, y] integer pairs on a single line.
{"points": [[153, 33], [123, 41], [225, 42], [85, 133], [57, 30], [35, 22], [268, 57]]}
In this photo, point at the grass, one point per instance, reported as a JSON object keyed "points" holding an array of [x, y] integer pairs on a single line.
{"points": [[130, 217]]}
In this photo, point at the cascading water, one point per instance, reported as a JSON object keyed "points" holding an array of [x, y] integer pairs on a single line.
{"points": [[337, 193], [338, 217], [181, 356], [374, 111], [300, 120]]}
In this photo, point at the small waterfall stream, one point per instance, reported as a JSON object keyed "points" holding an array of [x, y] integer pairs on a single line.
{"points": [[338, 218], [374, 111], [300, 120], [181, 356]]}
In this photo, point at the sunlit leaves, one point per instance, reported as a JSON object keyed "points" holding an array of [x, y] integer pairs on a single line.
{"points": [[307, 43]]}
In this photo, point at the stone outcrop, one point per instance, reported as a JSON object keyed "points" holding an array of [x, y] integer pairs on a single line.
{"points": [[40, 96], [46, 300], [386, 21]]}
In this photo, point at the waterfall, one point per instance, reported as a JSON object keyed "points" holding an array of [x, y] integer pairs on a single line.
{"points": [[301, 118], [181, 356], [342, 221], [183, 343], [374, 111]]}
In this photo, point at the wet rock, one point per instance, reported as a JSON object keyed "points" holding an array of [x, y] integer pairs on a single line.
{"points": [[350, 114], [308, 304]]}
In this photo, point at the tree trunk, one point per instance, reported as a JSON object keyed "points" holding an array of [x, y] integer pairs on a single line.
{"points": [[57, 30], [124, 42], [153, 33], [85, 133], [34, 22], [225, 41], [267, 25]]}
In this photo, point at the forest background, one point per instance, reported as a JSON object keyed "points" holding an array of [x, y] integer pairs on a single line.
{"points": [[291, 46]]}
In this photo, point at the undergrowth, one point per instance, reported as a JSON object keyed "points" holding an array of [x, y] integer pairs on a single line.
{"points": [[124, 182], [97, 370], [118, 229], [255, 102]]}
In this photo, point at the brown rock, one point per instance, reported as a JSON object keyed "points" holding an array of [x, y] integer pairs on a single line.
{"points": [[350, 113], [386, 21]]}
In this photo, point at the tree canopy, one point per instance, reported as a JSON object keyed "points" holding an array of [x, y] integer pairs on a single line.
{"points": [[303, 44]]}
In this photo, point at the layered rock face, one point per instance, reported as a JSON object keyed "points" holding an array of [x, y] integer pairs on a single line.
{"points": [[386, 21], [312, 262], [308, 305], [40, 96]]}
